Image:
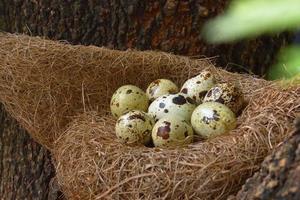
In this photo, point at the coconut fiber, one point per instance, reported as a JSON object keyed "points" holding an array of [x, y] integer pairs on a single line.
{"points": [[60, 93]]}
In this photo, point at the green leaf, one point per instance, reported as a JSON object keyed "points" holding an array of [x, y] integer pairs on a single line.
{"points": [[288, 66], [250, 18]]}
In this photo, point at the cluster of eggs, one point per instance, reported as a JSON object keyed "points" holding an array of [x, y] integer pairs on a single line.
{"points": [[201, 107]]}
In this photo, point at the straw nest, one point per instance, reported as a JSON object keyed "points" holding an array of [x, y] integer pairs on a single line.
{"points": [[60, 93]]}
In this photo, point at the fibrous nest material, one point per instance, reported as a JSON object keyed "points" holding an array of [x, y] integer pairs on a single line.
{"points": [[279, 176], [60, 93]]}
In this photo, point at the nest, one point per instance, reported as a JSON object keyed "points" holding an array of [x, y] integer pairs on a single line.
{"points": [[60, 93]]}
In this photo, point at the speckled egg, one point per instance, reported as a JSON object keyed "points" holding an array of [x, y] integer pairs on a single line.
{"points": [[172, 104], [227, 94], [161, 87], [212, 118], [197, 86], [134, 127], [172, 131], [126, 98]]}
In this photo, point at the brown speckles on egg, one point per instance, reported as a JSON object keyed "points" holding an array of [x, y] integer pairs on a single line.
{"points": [[202, 94], [198, 82], [164, 131], [137, 116], [220, 100], [208, 119], [179, 100], [184, 121], [167, 123], [216, 115], [171, 131], [162, 105], [117, 104], [166, 110], [184, 90], [209, 93]]}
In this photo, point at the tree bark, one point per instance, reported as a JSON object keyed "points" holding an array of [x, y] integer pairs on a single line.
{"points": [[168, 25], [26, 171], [279, 177]]}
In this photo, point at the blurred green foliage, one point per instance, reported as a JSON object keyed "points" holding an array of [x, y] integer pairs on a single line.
{"points": [[250, 18], [289, 64]]}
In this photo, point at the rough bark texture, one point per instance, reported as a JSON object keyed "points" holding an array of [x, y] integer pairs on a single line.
{"points": [[168, 25], [279, 177], [26, 171]]}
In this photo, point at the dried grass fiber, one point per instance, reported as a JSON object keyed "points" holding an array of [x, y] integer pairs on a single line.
{"points": [[60, 93]]}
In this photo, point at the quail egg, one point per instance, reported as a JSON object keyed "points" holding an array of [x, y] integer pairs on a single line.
{"points": [[126, 98], [227, 94], [134, 127], [172, 104], [197, 86], [212, 118], [161, 87], [172, 131]]}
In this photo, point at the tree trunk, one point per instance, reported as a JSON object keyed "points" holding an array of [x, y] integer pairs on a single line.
{"points": [[279, 177], [168, 25], [26, 171]]}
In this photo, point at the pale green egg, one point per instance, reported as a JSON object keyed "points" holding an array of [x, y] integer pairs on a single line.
{"points": [[134, 127], [197, 87], [172, 131], [212, 118], [127, 98], [161, 87], [172, 104]]}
